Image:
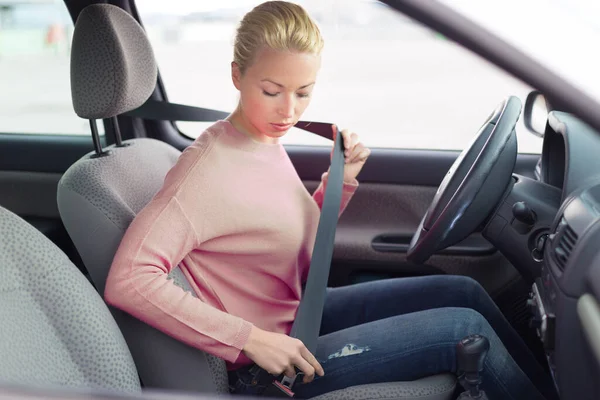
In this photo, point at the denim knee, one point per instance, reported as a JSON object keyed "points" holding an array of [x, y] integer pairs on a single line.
{"points": [[472, 288], [468, 283], [469, 322]]}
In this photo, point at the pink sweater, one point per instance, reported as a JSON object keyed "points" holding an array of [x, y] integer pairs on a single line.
{"points": [[235, 216]]}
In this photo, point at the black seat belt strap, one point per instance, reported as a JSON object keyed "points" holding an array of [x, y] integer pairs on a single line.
{"points": [[164, 111]]}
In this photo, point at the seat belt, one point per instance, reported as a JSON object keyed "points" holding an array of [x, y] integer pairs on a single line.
{"points": [[307, 323]]}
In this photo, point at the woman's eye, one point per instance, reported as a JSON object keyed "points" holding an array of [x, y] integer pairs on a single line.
{"points": [[269, 94], [303, 95]]}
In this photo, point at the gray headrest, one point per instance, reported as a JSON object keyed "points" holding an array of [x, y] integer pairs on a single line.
{"points": [[113, 69]]}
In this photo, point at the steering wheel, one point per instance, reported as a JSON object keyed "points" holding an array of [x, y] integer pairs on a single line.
{"points": [[473, 185]]}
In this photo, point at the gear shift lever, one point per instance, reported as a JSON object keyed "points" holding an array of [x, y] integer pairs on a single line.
{"points": [[470, 354]]}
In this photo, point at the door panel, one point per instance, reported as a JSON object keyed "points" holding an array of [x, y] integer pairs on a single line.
{"points": [[43, 153], [396, 188], [30, 168], [379, 209], [30, 194]]}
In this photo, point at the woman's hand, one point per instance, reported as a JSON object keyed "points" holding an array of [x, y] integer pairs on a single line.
{"points": [[277, 353], [355, 154]]}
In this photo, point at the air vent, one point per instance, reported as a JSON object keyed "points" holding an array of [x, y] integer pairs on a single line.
{"points": [[565, 242]]}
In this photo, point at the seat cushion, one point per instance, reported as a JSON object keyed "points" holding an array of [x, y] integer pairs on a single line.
{"points": [[438, 387]]}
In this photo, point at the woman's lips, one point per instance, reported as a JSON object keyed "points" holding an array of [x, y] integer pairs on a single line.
{"points": [[281, 127]]}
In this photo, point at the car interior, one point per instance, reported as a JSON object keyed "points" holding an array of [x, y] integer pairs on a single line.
{"points": [[523, 225]]}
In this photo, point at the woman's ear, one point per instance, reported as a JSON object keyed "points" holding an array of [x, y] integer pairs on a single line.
{"points": [[236, 75]]}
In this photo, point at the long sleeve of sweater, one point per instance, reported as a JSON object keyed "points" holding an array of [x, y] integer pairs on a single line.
{"points": [[157, 241], [348, 190]]}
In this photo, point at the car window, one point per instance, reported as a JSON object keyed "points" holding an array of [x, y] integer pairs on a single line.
{"points": [[35, 91], [394, 82]]}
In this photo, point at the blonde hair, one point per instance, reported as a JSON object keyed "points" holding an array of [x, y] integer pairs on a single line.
{"points": [[279, 25]]}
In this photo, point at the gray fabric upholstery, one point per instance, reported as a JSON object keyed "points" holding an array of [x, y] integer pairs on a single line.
{"points": [[55, 330], [368, 392], [97, 199], [113, 69], [120, 184], [439, 387]]}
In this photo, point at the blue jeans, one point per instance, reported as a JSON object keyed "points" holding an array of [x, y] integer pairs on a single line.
{"points": [[405, 329]]}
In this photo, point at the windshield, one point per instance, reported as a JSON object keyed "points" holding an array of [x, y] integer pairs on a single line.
{"points": [[562, 35]]}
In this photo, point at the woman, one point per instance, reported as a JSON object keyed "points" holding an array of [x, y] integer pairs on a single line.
{"points": [[235, 216]]}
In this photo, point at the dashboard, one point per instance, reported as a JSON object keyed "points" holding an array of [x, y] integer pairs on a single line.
{"points": [[570, 153], [565, 296]]}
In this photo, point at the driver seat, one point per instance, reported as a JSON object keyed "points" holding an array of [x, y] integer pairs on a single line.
{"points": [[113, 71]]}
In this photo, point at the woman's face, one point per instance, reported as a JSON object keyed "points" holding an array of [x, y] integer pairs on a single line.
{"points": [[274, 91]]}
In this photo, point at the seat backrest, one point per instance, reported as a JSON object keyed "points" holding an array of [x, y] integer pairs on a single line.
{"points": [[113, 71], [56, 330]]}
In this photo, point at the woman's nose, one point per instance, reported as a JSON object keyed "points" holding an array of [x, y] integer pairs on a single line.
{"points": [[286, 109]]}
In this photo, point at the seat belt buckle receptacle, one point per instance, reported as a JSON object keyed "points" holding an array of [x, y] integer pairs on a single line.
{"points": [[286, 384]]}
